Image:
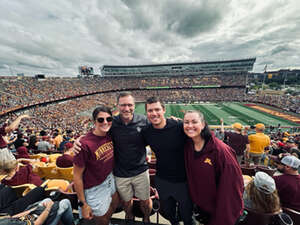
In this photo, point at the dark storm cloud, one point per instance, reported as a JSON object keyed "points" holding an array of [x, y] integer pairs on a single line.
{"points": [[136, 15], [280, 49], [192, 18]]}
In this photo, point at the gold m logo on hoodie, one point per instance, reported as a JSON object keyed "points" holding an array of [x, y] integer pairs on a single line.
{"points": [[207, 160]]}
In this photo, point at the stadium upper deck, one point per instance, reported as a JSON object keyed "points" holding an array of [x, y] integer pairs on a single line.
{"points": [[240, 66]]}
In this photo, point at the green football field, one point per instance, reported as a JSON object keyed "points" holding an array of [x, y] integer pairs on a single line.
{"points": [[230, 112]]}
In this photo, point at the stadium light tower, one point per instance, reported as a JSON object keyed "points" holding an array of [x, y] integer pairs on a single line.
{"points": [[284, 79], [263, 83]]}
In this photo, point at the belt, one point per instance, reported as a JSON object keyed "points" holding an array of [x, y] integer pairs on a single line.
{"points": [[3, 147]]}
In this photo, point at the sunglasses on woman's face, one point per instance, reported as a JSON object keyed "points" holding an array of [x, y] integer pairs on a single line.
{"points": [[101, 119]]}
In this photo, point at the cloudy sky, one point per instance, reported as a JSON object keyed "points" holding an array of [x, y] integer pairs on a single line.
{"points": [[54, 37]]}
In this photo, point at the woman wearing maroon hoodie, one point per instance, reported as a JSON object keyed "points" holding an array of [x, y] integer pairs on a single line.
{"points": [[17, 175], [22, 153], [214, 176]]}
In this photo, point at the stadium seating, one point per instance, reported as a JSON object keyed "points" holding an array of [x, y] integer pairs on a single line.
{"points": [[248, 170], [53, 157], [152, 173], [23, 189], [152, 164], [46, 172], [64, 173], [57, 184]]}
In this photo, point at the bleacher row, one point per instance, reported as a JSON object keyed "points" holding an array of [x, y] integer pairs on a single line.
{"points": [[59, 181], [18, 93]]}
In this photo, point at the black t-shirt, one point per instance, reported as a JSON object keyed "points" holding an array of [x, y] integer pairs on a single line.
{"points": [[32, 142], [7, 196], [168, 146], [129, 146], [19, 142]]}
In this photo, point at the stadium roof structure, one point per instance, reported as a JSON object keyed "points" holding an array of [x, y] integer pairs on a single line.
{"points": [[239, 66]]}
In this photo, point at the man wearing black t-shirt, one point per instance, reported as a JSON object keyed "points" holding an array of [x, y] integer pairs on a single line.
{"points": [[166, 138]]}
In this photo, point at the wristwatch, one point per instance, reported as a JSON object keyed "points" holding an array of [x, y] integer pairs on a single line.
{"points": [[80, 203]]}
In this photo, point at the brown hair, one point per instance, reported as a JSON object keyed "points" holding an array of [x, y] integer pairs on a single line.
{"points": [[205, 133], [152, 100], [262, 202], [124, 94]]}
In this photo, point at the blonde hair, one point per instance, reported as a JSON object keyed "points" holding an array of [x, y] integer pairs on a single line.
{"points": [[262, 202], [7, 167]]}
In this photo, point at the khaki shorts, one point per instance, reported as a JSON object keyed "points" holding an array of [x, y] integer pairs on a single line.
{"points": [[138, 186]]}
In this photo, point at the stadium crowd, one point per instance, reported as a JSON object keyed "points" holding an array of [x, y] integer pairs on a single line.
{"points": [[19, 92], [280, 149], [53, 128], [284, 102]]}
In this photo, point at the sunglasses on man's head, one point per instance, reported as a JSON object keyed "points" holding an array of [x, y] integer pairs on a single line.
{"points": [[101, 119]]}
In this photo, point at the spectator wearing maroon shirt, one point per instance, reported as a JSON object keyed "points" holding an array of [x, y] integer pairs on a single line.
{"points": [[214, 176], [93, 165], [66, 160], [22, 152], [236, 140], [18, 175], [288, 184]]}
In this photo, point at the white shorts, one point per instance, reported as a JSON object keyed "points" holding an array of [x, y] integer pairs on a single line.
{"points": [[5, 156], [99, 197]]}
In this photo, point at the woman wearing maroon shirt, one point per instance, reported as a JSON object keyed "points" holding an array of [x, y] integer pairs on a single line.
{"points": [[18, 175], [214, 176], [93, 165]]}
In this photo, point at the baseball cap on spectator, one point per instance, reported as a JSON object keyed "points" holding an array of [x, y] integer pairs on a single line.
{"points": [[285, 139], [264, 183], [290, 141], [260, 126], [237, 126], [291, 161]]}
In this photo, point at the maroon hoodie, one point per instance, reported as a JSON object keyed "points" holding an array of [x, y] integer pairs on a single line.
{"points": [[215, 181], [23, 176], [22, 153]]}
